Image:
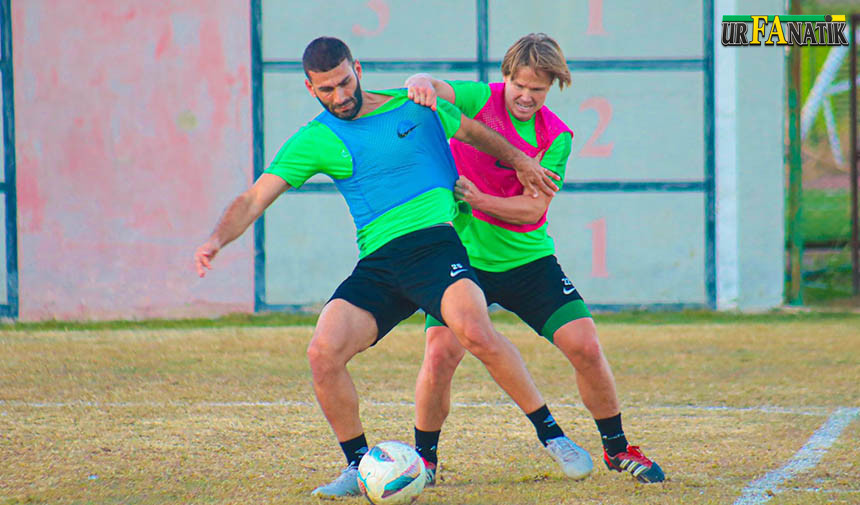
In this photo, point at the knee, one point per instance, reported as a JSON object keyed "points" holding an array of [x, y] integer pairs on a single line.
{"points": [[443, 353], [479, 339], [578, 341], [317, 356], [324, 356]]}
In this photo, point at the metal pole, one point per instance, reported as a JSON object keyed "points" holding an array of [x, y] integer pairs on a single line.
{"points": [[855, 242], [795, 182]]}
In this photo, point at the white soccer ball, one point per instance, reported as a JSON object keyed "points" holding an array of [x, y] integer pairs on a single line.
{"points": [[391, 473]]}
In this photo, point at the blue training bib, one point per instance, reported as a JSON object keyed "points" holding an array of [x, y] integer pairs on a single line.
{"points": [[396, 156]]}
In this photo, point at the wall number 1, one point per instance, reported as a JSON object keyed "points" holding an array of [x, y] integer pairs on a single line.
{"points": [[598, 248], [595, 18]]}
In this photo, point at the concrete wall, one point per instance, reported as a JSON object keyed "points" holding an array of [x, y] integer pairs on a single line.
{"points": [[633, 233], [133, 132], [750, 123]]}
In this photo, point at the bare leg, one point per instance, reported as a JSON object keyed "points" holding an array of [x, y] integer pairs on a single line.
{"points": [[464, 309], [343, 330], [442, 354], [578, 341]]}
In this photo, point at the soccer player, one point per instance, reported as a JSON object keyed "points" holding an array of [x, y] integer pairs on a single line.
{"points": [[390, 159], [510, 250]]}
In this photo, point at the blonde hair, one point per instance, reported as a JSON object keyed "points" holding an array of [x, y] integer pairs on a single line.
{"points": [[540, 52]]}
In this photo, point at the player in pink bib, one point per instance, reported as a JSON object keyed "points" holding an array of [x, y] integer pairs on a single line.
{"points": [[491, 176], [512, 253]]}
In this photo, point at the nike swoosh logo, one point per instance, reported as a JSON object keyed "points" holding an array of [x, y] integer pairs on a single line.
{"points": [[503, 166], [454, 273], [568, 291], [403, 134]]}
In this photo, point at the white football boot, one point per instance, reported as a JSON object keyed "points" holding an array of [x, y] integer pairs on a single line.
{"points": [[573, 459], [345, 485]]}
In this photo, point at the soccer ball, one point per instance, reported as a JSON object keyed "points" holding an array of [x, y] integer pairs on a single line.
{"points": [[391, 473]]}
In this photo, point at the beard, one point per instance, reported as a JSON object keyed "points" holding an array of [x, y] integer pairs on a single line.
{"points": [[350, 113]]}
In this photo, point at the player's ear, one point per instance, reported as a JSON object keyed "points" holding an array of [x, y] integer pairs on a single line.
{"points": [[310, 88], [357, 66]]}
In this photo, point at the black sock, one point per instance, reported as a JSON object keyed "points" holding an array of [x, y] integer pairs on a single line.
{"points": [[545, 425], [425, 444], [354, 449], [612, 434]]}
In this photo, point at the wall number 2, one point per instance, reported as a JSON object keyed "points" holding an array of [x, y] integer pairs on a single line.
{"points": [[592, 149]]}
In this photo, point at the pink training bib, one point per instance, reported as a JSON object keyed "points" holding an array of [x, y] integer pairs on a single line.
{"points": [[493, 176]]}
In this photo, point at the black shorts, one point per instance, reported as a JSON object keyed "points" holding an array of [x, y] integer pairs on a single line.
{"points": [[538, 292], [407, 273]]}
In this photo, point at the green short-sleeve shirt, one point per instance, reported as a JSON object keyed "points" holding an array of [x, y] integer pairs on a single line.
{"points": [[490, 247]]}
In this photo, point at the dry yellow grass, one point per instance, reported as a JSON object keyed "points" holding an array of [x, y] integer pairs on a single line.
{"points": [[228, 415]]}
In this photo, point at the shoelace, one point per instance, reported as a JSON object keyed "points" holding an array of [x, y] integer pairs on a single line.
{"points": [[343, 474], [634, 451], [566, 448]]}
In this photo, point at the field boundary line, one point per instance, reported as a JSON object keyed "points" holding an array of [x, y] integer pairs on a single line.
{"points": [[768, 409], [764, 488]]}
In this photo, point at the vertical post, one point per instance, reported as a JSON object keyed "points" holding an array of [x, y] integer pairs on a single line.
{"points": [[795, 182], [483, 11], [710, 157], [855, 212], [257, 118], [9, 167]]}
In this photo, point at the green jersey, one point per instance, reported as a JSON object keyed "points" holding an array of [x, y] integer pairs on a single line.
{"points": [[490, 247]]}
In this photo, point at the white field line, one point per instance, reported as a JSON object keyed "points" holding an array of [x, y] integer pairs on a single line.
{"points": [[763, 489], [754, 494], [804, 411], [823, 490]]}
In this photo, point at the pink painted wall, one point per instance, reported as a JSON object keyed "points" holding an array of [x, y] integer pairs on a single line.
{"points": [[133, 132]]}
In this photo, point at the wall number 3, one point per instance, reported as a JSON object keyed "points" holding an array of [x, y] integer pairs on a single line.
{"points": [[382, 14]]}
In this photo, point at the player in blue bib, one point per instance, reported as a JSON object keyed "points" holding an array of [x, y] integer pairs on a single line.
{"points": [[389, 158]]}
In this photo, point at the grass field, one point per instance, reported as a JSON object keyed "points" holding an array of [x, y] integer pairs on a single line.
{"points": [[736, 410]]}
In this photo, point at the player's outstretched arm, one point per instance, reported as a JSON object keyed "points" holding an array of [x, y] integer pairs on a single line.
{"points": [[520, 209], [424, 88], [243, 211], [534, 178]]}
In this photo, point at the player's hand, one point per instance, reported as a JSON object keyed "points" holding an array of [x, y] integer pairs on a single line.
{"points": [[421, 91], [203, 257], [466, 190], [537, 179]]}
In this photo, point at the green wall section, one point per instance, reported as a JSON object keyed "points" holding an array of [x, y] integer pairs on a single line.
{"points": [[4, 274]]}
